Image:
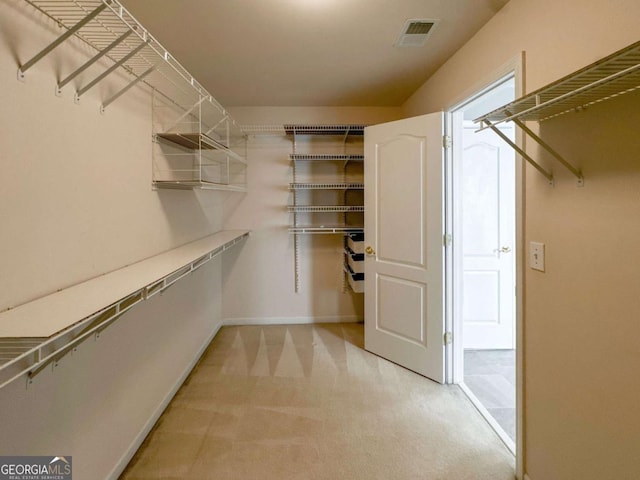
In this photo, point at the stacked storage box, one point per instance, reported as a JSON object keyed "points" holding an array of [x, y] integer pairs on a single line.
{"points": [[354, 261]]}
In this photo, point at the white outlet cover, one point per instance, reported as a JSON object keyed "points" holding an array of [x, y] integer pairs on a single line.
{"points": [[536, 256]]}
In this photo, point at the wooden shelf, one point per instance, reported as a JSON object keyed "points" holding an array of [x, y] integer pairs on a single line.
{"points": [[199, 141], [197, 185], [43, 331], [53, 313]]}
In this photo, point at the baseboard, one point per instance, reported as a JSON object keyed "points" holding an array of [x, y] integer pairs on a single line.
{"points": [[135, 445], [291, 320]]}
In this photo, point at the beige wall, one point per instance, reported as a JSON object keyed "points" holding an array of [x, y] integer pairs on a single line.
{"points": [[581, 328], [76, 201], [259, 282]]}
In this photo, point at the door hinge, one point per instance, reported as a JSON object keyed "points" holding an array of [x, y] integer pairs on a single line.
{"points": [[446, 141], [447, 240], [448, 338]]}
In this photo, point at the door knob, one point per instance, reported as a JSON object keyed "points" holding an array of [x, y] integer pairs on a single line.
{"points": [[369, 251], [506, 249]]}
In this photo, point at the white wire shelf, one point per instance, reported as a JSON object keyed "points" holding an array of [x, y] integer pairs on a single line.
{"points": [[609, 77], [264, 130], [325, 130], [327, 186], [296, 157], [116, 35], [40, 332], [325, 208], [326, 229], [197, 185]]}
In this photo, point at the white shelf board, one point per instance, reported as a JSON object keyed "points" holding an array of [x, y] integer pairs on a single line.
{"points": [[53, 313]]}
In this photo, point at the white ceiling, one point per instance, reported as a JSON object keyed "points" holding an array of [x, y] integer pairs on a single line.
{"points": [[309, 52]]}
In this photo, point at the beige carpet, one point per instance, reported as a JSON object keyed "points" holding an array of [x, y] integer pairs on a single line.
{"points": [[307, 402]]}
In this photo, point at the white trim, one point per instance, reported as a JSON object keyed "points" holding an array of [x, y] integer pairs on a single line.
{"points": [[517, 66], [514, 64], [506, 439], [292, 320], [137, 441], [520, 269]]}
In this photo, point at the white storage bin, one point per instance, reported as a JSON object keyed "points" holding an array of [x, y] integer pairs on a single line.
{"points": [[356, 280], [355, 261], [356, 242], [356, 285]]}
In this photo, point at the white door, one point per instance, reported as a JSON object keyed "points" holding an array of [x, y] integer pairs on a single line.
{"points": [[486, 182], [404, 265]]}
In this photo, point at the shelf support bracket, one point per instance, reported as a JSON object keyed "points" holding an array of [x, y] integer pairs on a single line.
{"points": [[27, 65], [93, 60], [296, 261], [96, 326], [547, 175], [549, 149], [114, 97], [186, 114], [103, 75], [224, 119]]}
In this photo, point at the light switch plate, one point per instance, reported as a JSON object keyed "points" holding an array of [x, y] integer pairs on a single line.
{"points": [[536, 256]]}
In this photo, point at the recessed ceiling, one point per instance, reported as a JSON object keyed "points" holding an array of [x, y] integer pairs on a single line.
{"points": [[309, 52]]}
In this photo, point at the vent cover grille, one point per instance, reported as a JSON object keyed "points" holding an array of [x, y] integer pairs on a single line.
{"points": [[415, 32], [418, 28]]}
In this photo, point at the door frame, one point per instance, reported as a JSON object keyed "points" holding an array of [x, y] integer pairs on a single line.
{"points": [[455, 373]]}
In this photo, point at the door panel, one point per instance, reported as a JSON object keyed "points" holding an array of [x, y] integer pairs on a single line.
{"points": [[407, 175], [400, 295], [404, 303]]}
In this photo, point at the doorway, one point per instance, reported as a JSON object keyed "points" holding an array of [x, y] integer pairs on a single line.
{"points": [[484, 259]]}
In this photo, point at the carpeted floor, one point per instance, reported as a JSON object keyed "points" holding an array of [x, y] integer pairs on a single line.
{"points": [[306, 402]]}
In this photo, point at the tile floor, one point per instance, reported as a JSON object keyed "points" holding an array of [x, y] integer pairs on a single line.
{"points": [[491, 376], [307, 402]]}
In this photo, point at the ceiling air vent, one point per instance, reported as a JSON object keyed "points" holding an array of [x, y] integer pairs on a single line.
{"points": [[415, 32]]}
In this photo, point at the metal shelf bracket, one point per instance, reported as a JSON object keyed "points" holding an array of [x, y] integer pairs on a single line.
{"points": [[93, 60], [49, 48], [131, 84], [548, 175], [107, 72], [548, 148], [525, 155]]}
